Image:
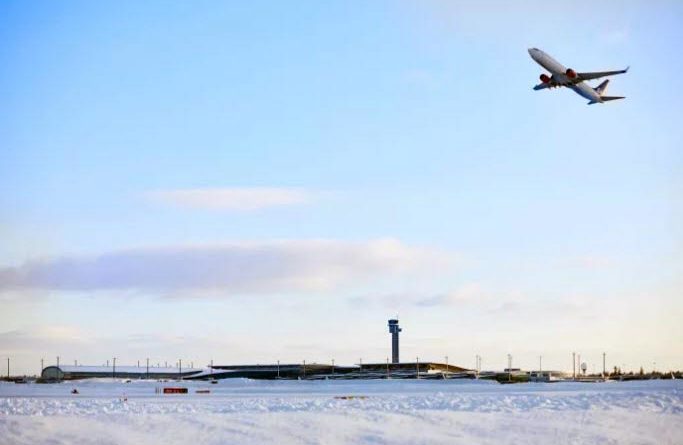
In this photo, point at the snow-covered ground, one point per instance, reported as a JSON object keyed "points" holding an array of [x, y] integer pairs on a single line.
{"points": [[389, 411]]}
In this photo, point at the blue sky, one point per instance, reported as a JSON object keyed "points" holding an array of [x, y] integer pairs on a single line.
{"points": [[262, 181]]}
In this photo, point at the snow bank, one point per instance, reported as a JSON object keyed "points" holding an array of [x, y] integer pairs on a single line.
{"points": [[245, 411]]}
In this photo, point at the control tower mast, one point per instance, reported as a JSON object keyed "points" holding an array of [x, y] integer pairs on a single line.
{"points": [[394, 330]]}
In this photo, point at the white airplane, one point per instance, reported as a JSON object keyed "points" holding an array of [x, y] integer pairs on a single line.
{"points": [[567, 77]]}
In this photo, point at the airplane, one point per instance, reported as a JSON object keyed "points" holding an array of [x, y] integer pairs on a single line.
{"points": [[567, 77]]}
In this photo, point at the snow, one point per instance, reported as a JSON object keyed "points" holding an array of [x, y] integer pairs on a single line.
{"points": [[389, 411]]}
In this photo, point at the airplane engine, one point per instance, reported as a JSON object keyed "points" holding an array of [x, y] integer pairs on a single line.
{"points": [[545, 78], [571, 73]]}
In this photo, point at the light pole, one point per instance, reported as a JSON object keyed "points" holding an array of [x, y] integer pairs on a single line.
{"points": [[574, 365], [41, 367], [147, 368], [603, 364], [417, 366], [509, 367], [332, 366], [304, 368], [113, 371], [180, 369], [278, 369], [540, 364], [578, 361]]}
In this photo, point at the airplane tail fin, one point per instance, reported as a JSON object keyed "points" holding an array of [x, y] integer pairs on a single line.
{"points": [[602, 88]]}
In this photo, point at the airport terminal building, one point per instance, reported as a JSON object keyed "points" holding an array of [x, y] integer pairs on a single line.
{"points": [[266, 372], [299, 371]]}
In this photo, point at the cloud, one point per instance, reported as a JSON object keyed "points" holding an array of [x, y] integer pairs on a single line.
{"points": [[467, 294], [42, 336], [235, 199], [237, 268], [471, 295]]}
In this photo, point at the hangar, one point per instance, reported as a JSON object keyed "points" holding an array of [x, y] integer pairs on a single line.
{"points": [[65, 372]]}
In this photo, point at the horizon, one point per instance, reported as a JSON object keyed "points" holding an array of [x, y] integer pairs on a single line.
{"points": [[251, 183]]}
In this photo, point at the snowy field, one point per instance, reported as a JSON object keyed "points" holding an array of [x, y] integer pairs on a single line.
{"points": [[312, 412]]}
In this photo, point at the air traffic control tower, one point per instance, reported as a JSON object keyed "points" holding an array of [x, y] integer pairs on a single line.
{"points": [[394, 330]]}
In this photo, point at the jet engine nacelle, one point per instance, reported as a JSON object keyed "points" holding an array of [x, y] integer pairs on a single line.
{"points": [[545, 78], [571, 73]]}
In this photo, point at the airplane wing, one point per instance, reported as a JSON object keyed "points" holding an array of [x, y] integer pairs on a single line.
{"points": [[545, 85], [599, 74]]}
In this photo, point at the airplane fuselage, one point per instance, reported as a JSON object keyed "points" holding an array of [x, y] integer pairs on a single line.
{"points": [[559, 75]]}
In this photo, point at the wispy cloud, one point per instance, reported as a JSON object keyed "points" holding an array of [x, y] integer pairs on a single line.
{"points": [[467, 294], [42, 336], [471, 295], [236, 199], [237, 268]]}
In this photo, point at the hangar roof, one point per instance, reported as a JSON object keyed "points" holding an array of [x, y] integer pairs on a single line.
{"points": [[124, 369]]}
